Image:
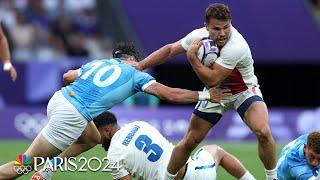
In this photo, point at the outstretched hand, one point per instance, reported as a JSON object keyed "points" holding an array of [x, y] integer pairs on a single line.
{"points": [[216, 94]]}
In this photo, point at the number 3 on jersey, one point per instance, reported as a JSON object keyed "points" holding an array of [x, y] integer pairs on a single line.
{"points": [[144, 143], [102, 71]]}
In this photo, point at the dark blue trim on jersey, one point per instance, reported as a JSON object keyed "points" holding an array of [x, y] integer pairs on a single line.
{"points": [[212, 118], [205, 167], [246, 104]]}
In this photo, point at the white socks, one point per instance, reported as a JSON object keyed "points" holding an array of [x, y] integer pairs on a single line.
{"points": [[271, 174], [168, 176], [247, 176]]}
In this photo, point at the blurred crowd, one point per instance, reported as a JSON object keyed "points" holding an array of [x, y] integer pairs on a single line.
{"points": [[53, 29], [316, 9]]}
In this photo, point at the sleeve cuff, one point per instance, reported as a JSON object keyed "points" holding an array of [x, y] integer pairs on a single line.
{"points": [[184, 44], [79, 72], [148, 84]]}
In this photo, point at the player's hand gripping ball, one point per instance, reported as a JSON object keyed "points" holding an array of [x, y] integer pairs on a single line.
{"points": [[208, 52]]}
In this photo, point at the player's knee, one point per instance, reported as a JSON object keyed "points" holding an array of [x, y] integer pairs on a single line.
{"points": [[191, 141], [263, 134]]}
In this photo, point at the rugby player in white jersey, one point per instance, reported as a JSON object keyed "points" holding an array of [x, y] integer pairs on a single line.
{"points": [[233, 69], [142, 152]]}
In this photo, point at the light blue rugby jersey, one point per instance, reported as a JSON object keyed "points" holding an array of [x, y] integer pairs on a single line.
{"points": [[103, 84], [293, 164]]}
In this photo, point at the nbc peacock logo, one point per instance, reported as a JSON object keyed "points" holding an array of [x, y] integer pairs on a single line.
{"points": [[22, 164]]}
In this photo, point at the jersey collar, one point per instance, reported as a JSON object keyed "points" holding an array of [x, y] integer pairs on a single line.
{"points": [[116, 60]]}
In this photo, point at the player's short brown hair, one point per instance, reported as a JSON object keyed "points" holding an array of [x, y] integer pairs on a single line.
{"points": [[218, 11], [313, 141]]}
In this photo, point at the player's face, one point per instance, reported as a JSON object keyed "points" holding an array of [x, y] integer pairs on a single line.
{"points": [[312, 158], [219, 31]]}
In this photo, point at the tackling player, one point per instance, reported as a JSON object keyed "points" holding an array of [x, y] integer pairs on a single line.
{"points": [[233, 69], [140, 151], [300, 159], [97, 87]]}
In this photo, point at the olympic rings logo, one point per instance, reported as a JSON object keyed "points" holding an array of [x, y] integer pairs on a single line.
{"points": [[22, 169]]}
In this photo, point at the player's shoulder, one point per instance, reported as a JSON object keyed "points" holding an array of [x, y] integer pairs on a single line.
{"points": [[138, 127], [198, 33], [303, 137], [237, 40], [124, 66], [201, 32], [295, 155], [139, 124], [236, 45], [193, 35], [140, 74]]}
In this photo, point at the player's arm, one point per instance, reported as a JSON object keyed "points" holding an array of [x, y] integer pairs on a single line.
{"points": [[5, 56], [184, 96], [161, 55], [71, 76], [209, 76]]}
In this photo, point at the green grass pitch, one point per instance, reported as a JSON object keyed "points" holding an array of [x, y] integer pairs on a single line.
{"points": [[246, 152]]}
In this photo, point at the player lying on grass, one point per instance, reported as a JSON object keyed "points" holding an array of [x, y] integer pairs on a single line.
{"points": [[300, 159], [97, 87], [143, 152]]}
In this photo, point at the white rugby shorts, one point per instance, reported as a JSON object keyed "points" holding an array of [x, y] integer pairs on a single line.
{"points": [[212, 112], [65, 124]]}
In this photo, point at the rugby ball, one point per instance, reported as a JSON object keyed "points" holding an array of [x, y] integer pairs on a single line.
{"points": [[208, 52]]}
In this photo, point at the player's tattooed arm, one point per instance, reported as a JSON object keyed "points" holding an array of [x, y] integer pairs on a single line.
{"points": [[71, 76]]}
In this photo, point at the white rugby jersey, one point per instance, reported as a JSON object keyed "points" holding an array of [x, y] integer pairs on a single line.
{"points": [[143, 151], [236, 55]]}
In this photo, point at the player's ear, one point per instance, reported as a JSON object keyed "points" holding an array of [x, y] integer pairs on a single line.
{"points": [[105, 129], [132, 58], [206, 25]]}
